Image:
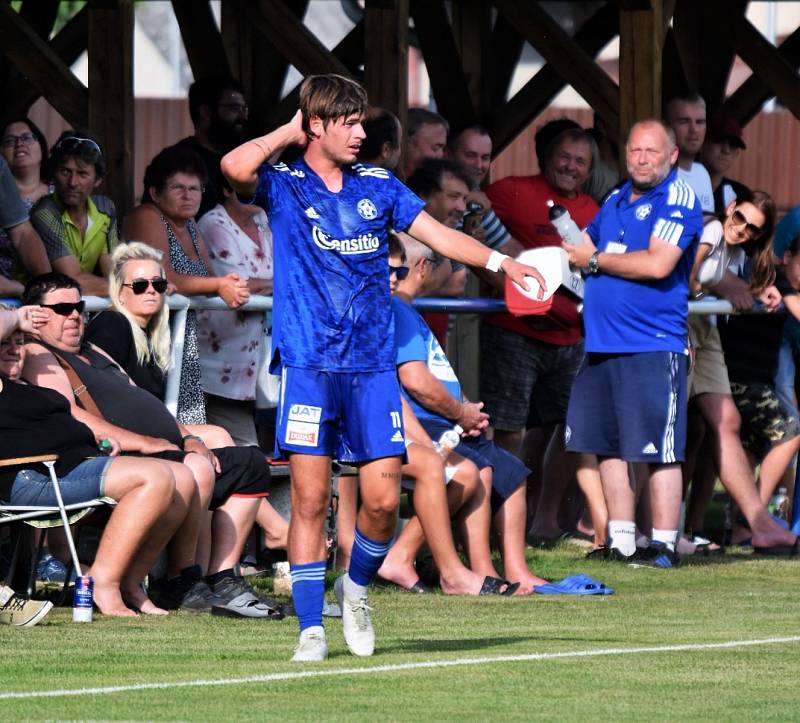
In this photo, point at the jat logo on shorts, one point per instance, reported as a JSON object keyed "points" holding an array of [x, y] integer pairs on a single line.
{"points": [[304, 413], [365, 243]]}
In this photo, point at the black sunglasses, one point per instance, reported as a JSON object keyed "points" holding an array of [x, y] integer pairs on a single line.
{"points": [[66, 307], [739, 219], [401, 271], [139, 286]]}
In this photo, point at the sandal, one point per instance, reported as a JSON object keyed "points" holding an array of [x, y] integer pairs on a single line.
{"points": [[498, 586]]}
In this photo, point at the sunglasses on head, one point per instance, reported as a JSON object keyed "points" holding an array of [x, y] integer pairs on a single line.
{"points": [[71, 143], [400, 271], [739, 219], [139, 286], [66, 308]]}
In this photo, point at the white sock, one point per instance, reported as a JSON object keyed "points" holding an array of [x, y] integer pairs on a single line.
{"points": [[668, 537], [351, 589], [622, 534], [316, 629]]}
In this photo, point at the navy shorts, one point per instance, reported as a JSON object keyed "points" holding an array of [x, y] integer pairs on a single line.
{"points": [[630, 406], [352, 417], [84, 482], [508, 472]]}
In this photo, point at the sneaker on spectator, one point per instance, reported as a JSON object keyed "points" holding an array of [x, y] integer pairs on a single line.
{"points": [[356, 622], [238, 599], [312, 647], [657, 555], [189, 591], [24, 613]]}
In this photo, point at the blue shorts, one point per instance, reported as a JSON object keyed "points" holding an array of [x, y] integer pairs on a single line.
{"points": [[508, 473], [352, 417], [630, 406], [84, 482]]}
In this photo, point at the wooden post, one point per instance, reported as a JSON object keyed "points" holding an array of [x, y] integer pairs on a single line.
{"points": [[386, 55], [641, 31], [111, 94]]}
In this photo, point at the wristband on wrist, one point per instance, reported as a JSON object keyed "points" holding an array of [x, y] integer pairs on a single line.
{"points": [[495, 261]]}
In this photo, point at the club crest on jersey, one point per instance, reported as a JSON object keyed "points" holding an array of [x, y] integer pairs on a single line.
{"points": [[364, 243], [643, 211], [366, 209]]}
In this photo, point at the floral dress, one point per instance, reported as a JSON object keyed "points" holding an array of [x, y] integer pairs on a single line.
{"points": [[191, 403], [230, 341]]}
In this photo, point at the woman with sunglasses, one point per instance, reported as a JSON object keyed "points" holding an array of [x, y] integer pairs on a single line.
{"points": [[734, 261], [151, 500], [165, 220]]}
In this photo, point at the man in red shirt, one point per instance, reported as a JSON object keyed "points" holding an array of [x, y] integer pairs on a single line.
{"points": [[528, 364]]}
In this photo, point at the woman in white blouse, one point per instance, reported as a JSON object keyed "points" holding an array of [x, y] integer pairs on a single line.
{"points": [[239, 240]]}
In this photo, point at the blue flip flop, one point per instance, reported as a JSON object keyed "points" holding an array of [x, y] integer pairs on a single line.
{"points": [[575, 585]]}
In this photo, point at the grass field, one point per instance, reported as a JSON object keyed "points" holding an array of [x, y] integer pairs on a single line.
{"points": [[460, 642]]}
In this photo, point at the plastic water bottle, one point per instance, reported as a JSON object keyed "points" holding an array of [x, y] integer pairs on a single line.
{"points": [[566, 227], [83, 599], [779, 504], [448, 441]]}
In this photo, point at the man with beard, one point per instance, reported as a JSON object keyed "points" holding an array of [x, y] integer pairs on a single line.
{"points": [[219, 113], [628, 403]]}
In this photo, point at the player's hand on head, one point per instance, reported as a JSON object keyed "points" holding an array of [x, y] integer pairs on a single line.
{"points": [[296, 126]]}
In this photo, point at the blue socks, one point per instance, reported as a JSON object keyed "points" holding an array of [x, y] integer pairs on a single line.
{"points": [[366, 557], [308, 593]]}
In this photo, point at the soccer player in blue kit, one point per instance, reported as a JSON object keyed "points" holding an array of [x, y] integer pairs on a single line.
{"points": [[333, 335]]}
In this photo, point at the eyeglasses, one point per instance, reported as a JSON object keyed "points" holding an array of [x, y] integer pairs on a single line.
{"points": [[139, 286], [739, 219], [67, 307], [71, 143], [237, 107], [26, 139], [179, 189], [400, 271]]}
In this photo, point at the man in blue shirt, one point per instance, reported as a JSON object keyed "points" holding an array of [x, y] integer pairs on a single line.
{"points": [[333, 334], [628, 402]]}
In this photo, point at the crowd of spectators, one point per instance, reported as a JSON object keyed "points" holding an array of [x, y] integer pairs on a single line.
{"points": [[532, 461]]}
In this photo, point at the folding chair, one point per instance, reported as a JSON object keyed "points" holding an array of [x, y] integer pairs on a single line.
{"points": [[44, 516]]}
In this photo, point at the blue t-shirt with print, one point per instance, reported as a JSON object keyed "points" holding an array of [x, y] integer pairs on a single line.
{"points": [[623, 315], [416, 342], [331, 283]]}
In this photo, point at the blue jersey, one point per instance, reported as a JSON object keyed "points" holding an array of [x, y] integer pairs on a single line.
{"points": [[416, 342], [331, 287], [621, 315]]}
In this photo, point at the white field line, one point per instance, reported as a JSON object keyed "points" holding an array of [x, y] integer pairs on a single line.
{"points": [[300, 674]]}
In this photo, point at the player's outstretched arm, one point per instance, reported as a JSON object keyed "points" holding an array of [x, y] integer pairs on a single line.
{"points": [[241, 165], [460, 247]]}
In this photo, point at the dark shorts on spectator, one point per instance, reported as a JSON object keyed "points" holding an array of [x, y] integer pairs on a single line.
{"points": [[765, 419], [630, 406], [525, 382]]}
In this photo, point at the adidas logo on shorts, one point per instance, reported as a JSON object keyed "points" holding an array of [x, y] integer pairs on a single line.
{"points": [[650, 448], [398, 436]]}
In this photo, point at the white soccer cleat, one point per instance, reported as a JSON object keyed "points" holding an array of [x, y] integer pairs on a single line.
{"points": [[312, 647], [356, 622]]}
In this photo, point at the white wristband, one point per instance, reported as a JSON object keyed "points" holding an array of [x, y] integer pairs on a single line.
{"points": [[495, 261]]}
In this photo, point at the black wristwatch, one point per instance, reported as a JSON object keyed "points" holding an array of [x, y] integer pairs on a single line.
{"points": [[594, 263]]}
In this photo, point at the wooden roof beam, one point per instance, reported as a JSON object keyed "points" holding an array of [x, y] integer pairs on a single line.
{"points": [[510, 119], [770, 66], [349, 52], [287, 33], [566, 57], [201, 38], [443, 61], [36, 60], [68, 44], [506, 45], [386, 55], [746, 102]]}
